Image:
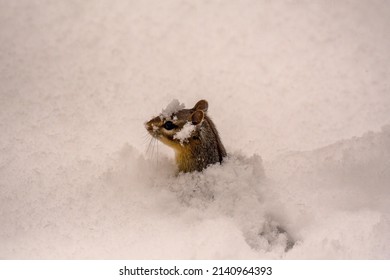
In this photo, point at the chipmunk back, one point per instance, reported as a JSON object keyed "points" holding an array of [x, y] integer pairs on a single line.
{"points": [[191, 133]]}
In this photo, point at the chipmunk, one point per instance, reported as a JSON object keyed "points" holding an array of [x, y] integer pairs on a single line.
{"points": [[191, 133]]}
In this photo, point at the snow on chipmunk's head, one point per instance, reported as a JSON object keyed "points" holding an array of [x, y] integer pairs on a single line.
{"points": [[176, 126]]}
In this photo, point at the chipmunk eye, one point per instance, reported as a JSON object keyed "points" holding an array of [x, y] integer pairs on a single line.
{"points": [[169, 125]]}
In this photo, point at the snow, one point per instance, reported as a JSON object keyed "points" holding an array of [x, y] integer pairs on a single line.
{"points": [[173, 107], [299, 92], [184, 133]]}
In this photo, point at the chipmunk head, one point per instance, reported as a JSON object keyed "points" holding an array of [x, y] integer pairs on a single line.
{"points": [[176, 126]]}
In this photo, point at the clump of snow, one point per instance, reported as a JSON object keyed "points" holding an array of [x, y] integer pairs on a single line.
{"points": [[173, 107], [184, 133]]}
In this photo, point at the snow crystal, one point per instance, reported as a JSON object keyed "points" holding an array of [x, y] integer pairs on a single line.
{"points": [[185, 132], [172, 108]]}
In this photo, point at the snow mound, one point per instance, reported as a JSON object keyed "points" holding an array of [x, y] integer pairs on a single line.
{"points": [[337, 198], [235, 191]]}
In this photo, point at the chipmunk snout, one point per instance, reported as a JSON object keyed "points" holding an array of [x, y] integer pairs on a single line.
{"points": [[148, 126], [152, 126]]}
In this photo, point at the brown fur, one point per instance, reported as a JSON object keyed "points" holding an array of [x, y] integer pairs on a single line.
{"points": [[202, 148]]}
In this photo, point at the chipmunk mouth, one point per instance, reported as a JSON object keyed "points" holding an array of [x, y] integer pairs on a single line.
{"points": [[154, 133]]}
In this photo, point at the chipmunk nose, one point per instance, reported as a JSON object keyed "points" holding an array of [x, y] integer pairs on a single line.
{"points": [[148, 125]]}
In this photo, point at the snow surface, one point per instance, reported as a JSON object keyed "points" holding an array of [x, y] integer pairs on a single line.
{"points": [[303, 84]]}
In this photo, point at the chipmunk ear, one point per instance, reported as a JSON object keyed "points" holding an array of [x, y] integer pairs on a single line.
{"points": [[197, 117], [201, 105]]}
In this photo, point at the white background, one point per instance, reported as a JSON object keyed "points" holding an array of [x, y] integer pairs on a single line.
{"points": [[303, 84]]}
